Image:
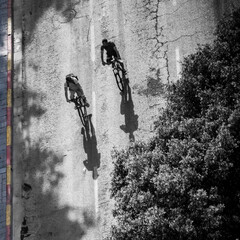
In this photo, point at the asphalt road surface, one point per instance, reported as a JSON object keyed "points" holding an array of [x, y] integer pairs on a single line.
{"points": [[61, 171]]}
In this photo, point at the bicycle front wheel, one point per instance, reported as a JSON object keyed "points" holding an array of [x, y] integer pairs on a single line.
{"points": [[80, 113], [119, 80]]}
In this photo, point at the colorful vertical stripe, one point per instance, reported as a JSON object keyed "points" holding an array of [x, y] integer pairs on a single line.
{"points": [[9, 124]]}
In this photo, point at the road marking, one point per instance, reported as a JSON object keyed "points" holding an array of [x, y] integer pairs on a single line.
{"points": [[9, 25], [94, 122], [94, 109], [178, 64], [9, 62], [8, 175], [9, 97], [8, 215], [9, 132], [92, 34], [96, 196], [93, 57]]}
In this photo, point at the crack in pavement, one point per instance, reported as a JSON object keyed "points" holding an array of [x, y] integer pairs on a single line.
{"points": [[185, 35], [171, 13], [165, 56], [160, 48]]}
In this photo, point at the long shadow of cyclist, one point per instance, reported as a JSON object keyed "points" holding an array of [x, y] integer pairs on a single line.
{"points": [[92, 163], [127, 109]]}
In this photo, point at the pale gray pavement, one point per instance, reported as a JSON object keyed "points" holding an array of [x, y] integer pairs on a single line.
{"points": [[3, 114], [59, 200]]}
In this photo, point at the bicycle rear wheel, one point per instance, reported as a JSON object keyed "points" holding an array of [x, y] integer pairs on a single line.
{"points": [[85, 117], [82, 112]]}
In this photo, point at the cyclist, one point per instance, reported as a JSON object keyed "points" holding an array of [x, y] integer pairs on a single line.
{"points": [[73, 86], [111, 51]]}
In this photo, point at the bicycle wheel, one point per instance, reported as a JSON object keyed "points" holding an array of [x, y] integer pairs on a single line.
{"points": [[80, 113], [119, 80], [84, 116], [120, 66], [82, 110]]}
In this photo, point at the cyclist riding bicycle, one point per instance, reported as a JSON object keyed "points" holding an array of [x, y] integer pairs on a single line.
{"points": [[73, 86], [111, 51]]}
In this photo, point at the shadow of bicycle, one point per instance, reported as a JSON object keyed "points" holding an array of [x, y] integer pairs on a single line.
{"points": [[127, 109], [92, 163]]}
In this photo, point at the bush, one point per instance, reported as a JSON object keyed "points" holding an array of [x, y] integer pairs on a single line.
{"points": [[185, 182]]}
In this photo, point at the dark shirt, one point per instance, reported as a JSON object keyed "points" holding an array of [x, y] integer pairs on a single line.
{"points": [[109, 49], [72, 84]]}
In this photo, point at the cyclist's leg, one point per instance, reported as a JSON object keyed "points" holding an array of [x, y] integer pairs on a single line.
{"points": [[71, 94], [116, 56], [81, 94], [119, 60], [79, 91], [109, 59]]}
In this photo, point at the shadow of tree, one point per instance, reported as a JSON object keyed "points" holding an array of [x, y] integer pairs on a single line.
{"points": [[155, 87], [35, 9], [37, 178], [36, 175], [92, 163], [44, 218], [127, 109]]}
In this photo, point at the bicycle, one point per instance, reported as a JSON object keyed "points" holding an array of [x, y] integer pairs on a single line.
{"points": [[119, 73], [82, 110]]}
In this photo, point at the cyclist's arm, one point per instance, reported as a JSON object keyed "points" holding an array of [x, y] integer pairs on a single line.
{"points": [[66, 92], [75, 81], [115, 49], [102, 55]]}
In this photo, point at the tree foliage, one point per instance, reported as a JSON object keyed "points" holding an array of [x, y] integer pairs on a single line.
{"points": [[185, 182]]}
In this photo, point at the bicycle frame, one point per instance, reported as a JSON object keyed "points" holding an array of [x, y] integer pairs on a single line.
{"points": [[82, 110], [118, 73]]}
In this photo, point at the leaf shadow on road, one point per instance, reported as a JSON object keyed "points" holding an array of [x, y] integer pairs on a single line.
{"points": [[37, 177], [34, 10], [155, 86], [92, 163], [127, 109]]}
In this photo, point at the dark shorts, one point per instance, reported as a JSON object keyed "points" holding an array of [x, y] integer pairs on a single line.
{"points": [[110, 56]]}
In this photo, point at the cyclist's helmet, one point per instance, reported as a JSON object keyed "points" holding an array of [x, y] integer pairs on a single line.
{"points": [[104, 41], [70, 75], [71, 78]]}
